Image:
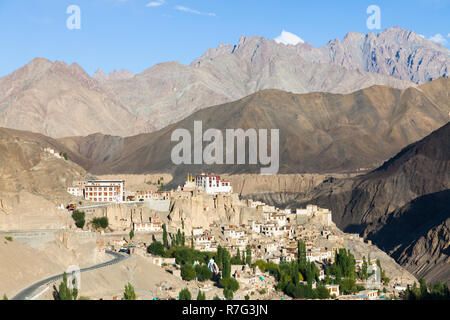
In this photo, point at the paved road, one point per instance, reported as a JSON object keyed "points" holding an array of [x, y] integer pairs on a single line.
{"points": [[27, 292]]}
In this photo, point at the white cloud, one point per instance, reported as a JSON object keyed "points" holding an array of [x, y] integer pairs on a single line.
{"points": [[448, 35], [156, 3], [193, 11], [439, 38], [288, 38]]}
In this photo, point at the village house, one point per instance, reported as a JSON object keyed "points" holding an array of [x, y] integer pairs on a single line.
{"points": [[154, 225], [197, 231], [368, 294], [231, 232]]}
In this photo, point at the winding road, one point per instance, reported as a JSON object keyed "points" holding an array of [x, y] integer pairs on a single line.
{"points": [[27, 292]]}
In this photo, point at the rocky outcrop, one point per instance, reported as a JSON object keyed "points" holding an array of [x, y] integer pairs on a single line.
{"points": [[202, 210], [253, 184], [395, 52], [417, 235]]}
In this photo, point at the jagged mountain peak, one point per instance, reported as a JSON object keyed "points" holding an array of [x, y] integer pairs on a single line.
{"points": [[123, 74]]}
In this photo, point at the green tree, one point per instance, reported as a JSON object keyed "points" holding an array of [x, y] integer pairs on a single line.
{"points": [[100, 222], [322, 292], [363, 272], [5, 297], [131, 234], [65, 156], [248, 258], [156, 248], [423, 289], [185, 294], [301, 247], [165, 242], [64, 292], [203, 273], [188, 272], [218, 258], [129, 293], [228, 294], [226, 271], [78, 217], [201, 295], [229, 283], [295, 273]]}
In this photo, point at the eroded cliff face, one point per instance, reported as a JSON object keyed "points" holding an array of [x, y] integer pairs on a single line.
{"points": [[202, 210], [252, 184]]}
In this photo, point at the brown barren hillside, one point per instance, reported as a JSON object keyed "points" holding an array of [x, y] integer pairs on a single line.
{"points": [[319, 132], [59, 100], [33, 183]]}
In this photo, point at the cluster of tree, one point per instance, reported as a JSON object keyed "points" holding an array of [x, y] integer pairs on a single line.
{"points": [[78, 216], [438, 291], [186, 257], [185, 294], [229, 285], [64, 292], [129, 293], [179, 239], [194, 263], [5, 297], [238, 259], [343, 270], [296, 278], [64, 155], [199, 270], [100, 222], [223, 261]]}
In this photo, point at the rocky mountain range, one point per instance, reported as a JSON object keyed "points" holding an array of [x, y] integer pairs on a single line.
{"points": [[60, 100], [319, 132], [39, 96]]}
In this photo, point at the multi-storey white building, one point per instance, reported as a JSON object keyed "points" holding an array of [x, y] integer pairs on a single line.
{"points": [[105, 190], [212, 184]]}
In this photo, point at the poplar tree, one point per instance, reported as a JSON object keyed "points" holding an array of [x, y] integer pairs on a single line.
{"points": [[248, 259], [165, 242]]}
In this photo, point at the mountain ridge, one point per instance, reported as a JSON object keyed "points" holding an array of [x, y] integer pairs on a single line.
{"points": [[123, 103]]}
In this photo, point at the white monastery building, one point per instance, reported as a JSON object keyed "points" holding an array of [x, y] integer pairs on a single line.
{"points": [[212, 184]]}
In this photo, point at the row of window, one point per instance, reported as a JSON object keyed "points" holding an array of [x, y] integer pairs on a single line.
{"points": [[101, 188], [100, 199], [100, 193]]}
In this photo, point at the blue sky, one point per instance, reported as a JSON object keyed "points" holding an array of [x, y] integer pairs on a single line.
{"points": [[136, 34]]}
